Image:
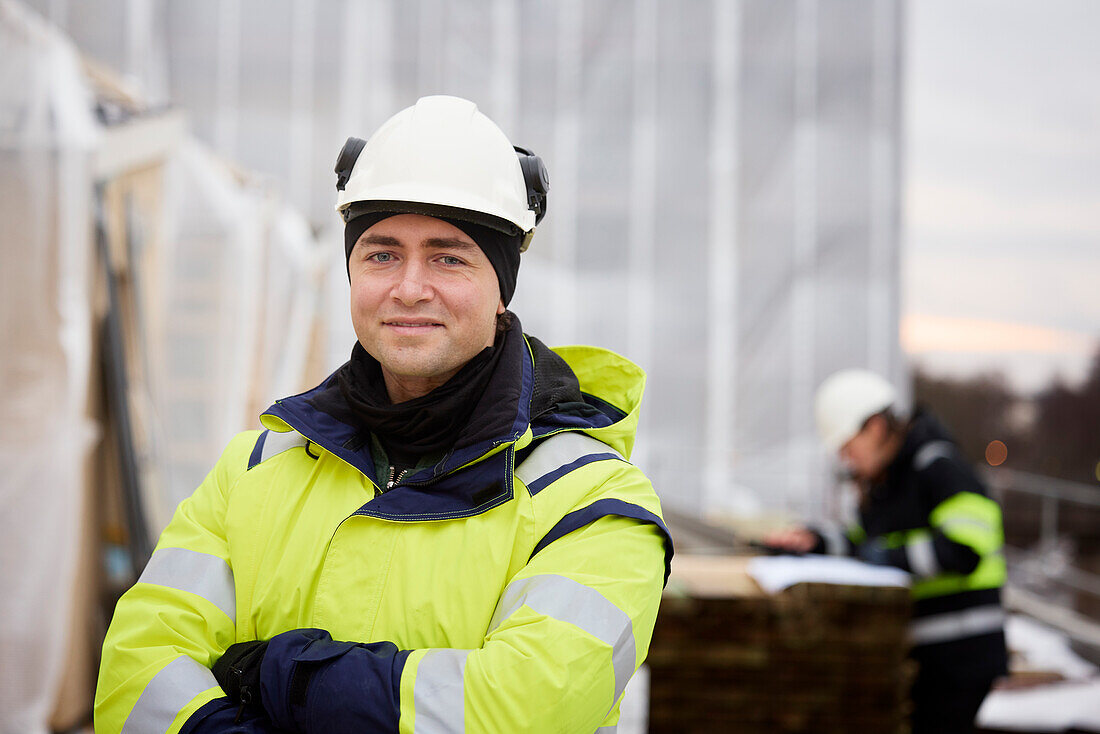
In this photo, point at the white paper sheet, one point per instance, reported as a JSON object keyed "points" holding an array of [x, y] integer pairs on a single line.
{"points": [[775, 573]]}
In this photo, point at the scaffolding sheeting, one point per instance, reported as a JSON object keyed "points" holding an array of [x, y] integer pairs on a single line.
{"points": [[725, 185]]}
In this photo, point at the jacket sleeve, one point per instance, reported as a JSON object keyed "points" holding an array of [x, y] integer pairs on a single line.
{"points": [[569, 630], [963, 523], [170, 627]]}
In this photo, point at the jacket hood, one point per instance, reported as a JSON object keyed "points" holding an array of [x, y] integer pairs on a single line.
{"points": [[612, 384]]}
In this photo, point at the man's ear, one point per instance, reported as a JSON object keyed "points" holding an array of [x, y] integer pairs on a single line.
{"points": [[500, 307], [878, 427]]}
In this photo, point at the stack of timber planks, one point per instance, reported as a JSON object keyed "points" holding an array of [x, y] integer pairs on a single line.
{"points": [[815, 658]]}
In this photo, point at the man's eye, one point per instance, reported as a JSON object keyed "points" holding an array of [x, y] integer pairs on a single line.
{"points": [[380, 257], [451, 260]]}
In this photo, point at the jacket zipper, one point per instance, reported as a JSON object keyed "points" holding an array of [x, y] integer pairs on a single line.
{"points": [[395, 479]]}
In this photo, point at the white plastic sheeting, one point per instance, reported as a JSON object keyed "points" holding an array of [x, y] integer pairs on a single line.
{"points": [[724, 183], [242, 279], [47, 134], [232, 296], [1069, 705]]}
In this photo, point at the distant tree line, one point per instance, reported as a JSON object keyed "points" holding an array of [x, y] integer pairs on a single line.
{"points": [[1055, 432]]}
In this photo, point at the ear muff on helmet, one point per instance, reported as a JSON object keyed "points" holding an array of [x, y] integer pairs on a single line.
{"points": [[346, 160], [537, 180]]}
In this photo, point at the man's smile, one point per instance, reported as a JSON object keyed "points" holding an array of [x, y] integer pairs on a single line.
{"points": [[411, 326]]}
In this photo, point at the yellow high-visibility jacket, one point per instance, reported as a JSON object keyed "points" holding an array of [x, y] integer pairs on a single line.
{"points": [[511, 587]]}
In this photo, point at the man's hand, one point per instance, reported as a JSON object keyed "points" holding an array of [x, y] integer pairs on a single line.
{"points": [[792, 540], [238, 671]]}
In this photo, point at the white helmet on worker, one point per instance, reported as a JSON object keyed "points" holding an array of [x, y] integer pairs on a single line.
{"points": [[443, 157], [844, 402]]}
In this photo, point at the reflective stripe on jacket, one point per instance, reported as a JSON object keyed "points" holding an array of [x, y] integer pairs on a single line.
{"points": [[514, 593]]}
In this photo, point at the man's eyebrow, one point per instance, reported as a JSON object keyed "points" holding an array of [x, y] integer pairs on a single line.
{"points": [[379, 239], [450, 243]]}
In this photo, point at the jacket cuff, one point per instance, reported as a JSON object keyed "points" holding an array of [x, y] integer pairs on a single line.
{"points": [[289, 662], [310, 682], [222, 716]]}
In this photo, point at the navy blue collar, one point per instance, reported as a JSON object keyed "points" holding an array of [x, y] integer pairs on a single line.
{"points": [[501, 417]]}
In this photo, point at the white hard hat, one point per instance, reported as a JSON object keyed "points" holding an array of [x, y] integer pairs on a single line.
{"points": [[442, 157], [844, 402]]}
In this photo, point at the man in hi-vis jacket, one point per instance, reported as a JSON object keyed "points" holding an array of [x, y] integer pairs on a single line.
{"points": [[922, 508], [445, 535]]}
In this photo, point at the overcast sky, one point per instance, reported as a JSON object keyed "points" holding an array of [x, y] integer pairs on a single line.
{"points": [[1002, 210]]}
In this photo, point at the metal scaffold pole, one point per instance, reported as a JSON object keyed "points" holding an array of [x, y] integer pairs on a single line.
{"points": [[803, 257], [643, 197], [722, 265]]}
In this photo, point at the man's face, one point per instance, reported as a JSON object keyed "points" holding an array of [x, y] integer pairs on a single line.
{"points": [[424, 301], [866, 454]]}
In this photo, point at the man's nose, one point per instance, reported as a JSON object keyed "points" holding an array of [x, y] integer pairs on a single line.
{"points": [[413, 285]]}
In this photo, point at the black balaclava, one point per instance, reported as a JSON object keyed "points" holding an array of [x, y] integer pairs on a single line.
{"points": [[501, 249]]}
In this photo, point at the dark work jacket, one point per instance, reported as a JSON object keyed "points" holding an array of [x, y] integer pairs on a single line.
{"points": [[932, 516]]}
